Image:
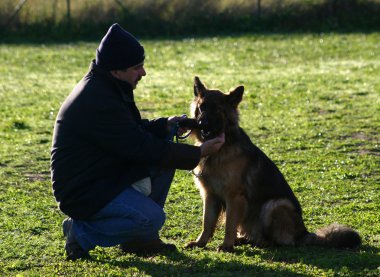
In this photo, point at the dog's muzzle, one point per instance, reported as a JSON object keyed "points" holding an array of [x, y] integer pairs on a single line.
{"points": [[191, 123], [205, 128]]}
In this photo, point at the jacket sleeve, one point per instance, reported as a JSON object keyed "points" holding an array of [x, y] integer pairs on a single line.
{"points": [[113, 129], [157, 126], [182, 156]]}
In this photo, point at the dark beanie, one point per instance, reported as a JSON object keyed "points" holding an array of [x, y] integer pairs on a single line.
{"points": [[119, 50]]}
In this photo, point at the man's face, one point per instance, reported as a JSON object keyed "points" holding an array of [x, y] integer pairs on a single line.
{"points": [[130, 75]]}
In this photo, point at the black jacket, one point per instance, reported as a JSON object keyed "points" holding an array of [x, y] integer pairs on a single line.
{"points": [[101, 145]]}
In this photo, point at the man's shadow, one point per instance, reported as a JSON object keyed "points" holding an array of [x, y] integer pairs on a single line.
{"points": [[182, 264]]}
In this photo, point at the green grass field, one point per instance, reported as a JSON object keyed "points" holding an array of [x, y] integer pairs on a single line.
{"points": [[312, 103]]}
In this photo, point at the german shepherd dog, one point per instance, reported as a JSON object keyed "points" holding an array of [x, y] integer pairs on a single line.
{"points": [[259, 206]]}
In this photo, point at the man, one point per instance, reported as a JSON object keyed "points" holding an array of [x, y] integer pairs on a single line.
{"points": [[111, 170]]}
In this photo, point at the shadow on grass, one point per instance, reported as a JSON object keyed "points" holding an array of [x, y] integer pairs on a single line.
{"points": [[66, 39], [180, 264], [365, 257]]}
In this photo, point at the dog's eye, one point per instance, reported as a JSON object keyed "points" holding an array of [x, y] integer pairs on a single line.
{"points": [[204, 107], [208, 107]]}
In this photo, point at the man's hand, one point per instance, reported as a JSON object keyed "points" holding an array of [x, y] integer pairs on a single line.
{"points": [[212, 146], [172, 121]]}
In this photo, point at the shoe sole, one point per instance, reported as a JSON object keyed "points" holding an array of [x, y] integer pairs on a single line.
{"points": [[66, 226]]}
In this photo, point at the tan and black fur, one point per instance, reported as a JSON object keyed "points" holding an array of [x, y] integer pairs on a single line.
{"points": [[260, 207]]}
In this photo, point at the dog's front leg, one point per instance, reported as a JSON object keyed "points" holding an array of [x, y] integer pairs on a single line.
{"points": [[236, 208], [211, 211]]}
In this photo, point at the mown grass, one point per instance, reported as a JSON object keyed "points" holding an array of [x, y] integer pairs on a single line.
{"points": [[312, 103]]}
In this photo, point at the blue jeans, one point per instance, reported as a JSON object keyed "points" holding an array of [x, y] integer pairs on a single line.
{"points": [[131, 216]]}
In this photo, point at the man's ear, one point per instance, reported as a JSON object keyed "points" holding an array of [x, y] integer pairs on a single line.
{"points": [[199, 87], [115, 73], [235, 96]]}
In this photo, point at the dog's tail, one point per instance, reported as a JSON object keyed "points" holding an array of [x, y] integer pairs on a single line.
{"points": [[334, 235]]}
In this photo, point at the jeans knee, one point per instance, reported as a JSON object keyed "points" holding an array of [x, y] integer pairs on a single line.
{"points": [[158, 220]]}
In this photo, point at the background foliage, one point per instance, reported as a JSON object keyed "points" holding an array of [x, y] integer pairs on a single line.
{"points": [[88, 19]]}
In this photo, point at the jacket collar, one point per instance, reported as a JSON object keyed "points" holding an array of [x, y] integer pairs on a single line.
{"points": [[124, 88]]}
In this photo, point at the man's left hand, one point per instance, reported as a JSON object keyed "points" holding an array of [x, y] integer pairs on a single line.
{"points": [[172, 121]]}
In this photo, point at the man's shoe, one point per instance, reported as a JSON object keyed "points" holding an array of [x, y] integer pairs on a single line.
{"points": [[67, 224], [149, 247], [73, 250]]}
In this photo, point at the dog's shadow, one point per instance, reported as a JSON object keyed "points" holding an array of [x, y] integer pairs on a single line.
{"points": [[180, 263], [365, 257]]}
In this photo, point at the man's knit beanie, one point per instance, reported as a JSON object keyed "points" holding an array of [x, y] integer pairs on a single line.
{"points": [[119, 50]]}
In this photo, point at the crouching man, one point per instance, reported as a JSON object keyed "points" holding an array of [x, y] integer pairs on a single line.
{"points": [[111, 170]]}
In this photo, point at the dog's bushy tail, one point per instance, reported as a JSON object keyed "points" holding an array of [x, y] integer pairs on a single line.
{"points": [[334, 236]]}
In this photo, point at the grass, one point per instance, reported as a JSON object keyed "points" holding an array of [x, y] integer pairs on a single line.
{"points": [[312, 103]]}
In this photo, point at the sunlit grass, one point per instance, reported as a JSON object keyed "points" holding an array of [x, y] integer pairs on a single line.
{"points": [[311, 102]]}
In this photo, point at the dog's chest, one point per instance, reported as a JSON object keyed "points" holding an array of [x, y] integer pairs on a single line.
{"points": [[221, 173]]}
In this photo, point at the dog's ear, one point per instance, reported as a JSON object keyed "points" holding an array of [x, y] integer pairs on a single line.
{"points": [[235, 96], [199, 87]]}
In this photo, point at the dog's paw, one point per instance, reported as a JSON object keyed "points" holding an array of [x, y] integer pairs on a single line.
{"points": [[226, 248], [193, 244], [241, 241], [262, 244]]}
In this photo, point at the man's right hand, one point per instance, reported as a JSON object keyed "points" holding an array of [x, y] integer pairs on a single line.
{"points": [[212, 146]]}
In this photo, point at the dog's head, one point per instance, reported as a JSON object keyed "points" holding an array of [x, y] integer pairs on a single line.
{"points": [[215, 111]]}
